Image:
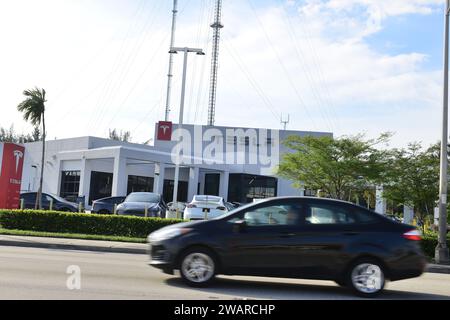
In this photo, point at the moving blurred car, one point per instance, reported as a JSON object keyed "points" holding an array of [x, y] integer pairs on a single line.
{"points": [[59, 204], [205, 207], [394, 218], [175, 211], [293, 237], [106, 205], [137, 203]]}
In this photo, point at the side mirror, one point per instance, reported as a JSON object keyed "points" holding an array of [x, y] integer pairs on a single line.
{"points": [[239, 226]]}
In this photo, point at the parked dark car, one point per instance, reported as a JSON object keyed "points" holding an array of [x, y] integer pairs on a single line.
{"points": [[106, 205], [138, 202], [59, 204], [308, 238]]}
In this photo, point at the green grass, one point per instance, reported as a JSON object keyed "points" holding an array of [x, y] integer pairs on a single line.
{"points": [[69, 236]]}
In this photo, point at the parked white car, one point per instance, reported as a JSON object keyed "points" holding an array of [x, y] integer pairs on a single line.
{"points": [[205, 207]]}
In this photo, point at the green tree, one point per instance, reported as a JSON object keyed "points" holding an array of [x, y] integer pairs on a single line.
{"points": [[33, 109], [9, 135], [414, 179], [124, 136], [338, 167]]}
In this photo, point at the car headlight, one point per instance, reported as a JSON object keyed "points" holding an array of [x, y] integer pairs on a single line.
{"points": [[161, 235]]}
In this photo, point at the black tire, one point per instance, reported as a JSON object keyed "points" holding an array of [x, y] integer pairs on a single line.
{"points": [[207, 271], [373, 286]]}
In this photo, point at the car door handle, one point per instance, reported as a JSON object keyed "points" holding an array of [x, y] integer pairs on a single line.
{"points": [[351, 233], [287, 235]]}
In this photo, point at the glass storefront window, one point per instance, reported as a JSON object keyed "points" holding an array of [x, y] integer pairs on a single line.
{"points": [[70, 185], [139, 184], [244, 188]]}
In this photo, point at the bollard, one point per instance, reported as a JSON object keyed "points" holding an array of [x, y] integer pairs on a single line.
{"points": [[51, 204], [22, 204], [206, 214], [80, 207], [115, 209], [146, 211]]}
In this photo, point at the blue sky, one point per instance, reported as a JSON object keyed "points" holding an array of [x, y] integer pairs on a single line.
{"points": [[414, 32], [345, 66]]}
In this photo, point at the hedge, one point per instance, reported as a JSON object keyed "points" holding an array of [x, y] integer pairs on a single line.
{"points": [[62, 222], [429, 244]]}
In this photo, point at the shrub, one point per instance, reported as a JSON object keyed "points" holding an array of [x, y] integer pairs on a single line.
{"points": [[429, 243], [61, 222]]}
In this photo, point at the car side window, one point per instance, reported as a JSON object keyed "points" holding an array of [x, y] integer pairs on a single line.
{"points": [[275, 215], [365, 216], [328, 214], [29, 197]]}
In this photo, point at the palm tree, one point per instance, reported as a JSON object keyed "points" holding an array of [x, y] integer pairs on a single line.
{"points": [[33, 109]]}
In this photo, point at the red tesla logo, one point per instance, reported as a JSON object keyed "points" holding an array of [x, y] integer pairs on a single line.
{"points": [[165, 131]]}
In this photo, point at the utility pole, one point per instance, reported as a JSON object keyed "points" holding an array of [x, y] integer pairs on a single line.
{"points": [[170, 74], [183, 94], [442, 253], [217, 25]]}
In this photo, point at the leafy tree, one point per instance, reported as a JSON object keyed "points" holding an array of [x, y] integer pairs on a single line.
{"points": [[33, 109], [414, 179], [9, 135], [124, 136], [339, 167]]}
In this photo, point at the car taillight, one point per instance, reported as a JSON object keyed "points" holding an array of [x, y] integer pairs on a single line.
{"points": [[190, 206], [413, 235]]}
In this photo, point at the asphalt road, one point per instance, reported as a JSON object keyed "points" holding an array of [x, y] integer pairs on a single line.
{"points": [[42, 274]]}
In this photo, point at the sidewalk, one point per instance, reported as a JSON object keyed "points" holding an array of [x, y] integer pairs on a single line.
{"points": [[73, 244], [113, 247]]}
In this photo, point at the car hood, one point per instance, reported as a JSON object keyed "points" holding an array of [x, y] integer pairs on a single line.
{"points": [[138, 205], [191, 224], [73, 204]]}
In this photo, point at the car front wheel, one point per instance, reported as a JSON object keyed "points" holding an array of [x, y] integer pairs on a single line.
{"points": [[198, 268], [366, 278]]}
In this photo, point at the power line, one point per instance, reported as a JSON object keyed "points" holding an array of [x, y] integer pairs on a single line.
{"points": [[128, 65], [288, 76], [265, 99], [302, 57]]}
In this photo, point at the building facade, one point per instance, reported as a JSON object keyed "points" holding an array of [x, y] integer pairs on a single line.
{"points": [[237, 164]]}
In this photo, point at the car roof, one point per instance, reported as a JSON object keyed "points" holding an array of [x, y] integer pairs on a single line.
{"points": [[310, 198]]}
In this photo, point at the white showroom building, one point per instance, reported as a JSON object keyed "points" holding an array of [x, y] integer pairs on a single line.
{"points": [[216, 161]]}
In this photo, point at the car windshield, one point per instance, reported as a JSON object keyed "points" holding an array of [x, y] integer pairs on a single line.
{"points": [[58, 198], [143, 197]]}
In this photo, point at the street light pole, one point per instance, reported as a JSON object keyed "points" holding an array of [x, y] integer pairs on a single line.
{"points": [[180, 123], [442, 253]]}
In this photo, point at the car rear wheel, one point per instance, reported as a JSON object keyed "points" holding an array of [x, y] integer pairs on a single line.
{"points": [[198, 267], [366, 278]]}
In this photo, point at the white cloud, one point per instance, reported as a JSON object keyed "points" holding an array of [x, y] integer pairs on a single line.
{"points": [[315, 65]]}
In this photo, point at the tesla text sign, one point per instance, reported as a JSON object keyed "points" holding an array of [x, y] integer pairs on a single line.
{"points": [[11, 166]]}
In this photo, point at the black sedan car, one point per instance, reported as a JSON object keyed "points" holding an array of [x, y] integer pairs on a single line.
{"points": [[59, 204], [106, 205], [143, 204], [307, 238]]}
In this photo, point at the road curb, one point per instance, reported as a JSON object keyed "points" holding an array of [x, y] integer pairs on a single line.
{"points": [[62, 246], [445, 269]]}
